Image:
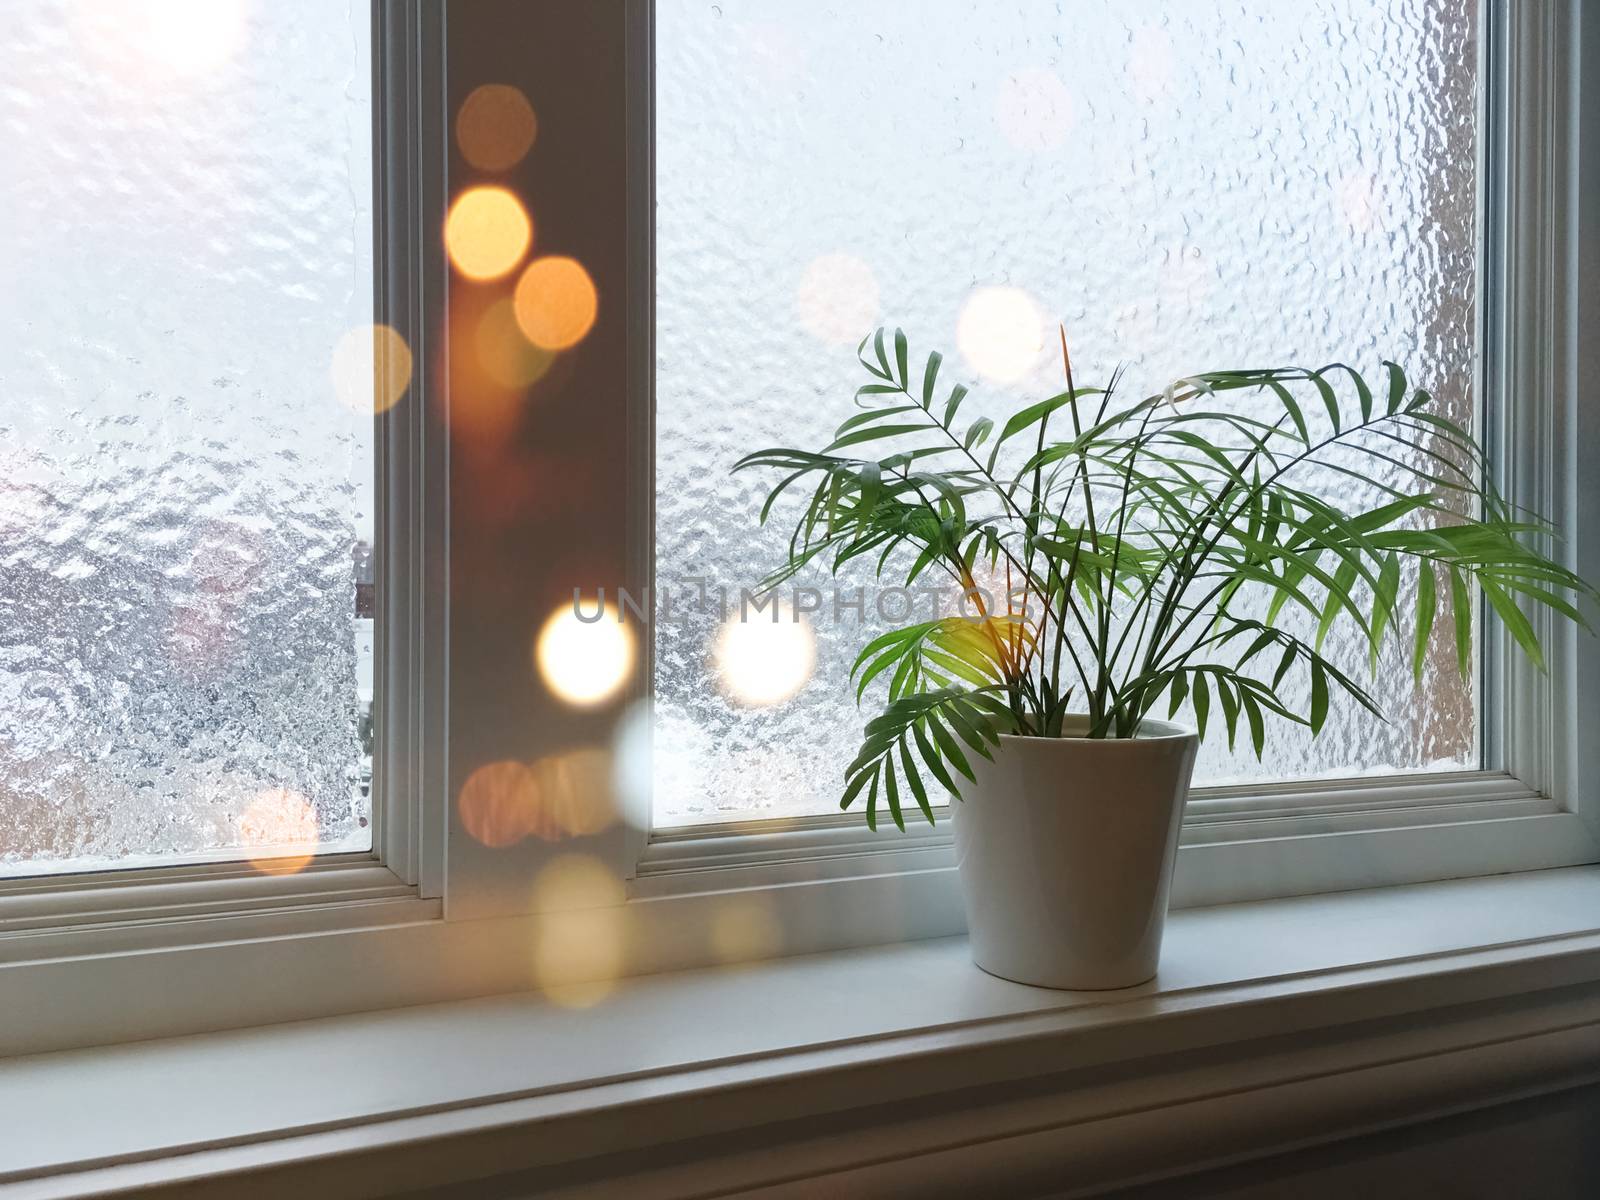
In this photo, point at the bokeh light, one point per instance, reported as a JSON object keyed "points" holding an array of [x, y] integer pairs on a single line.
{"points": [[505, 355], [487, 232], [633, 764], [1001, 333], [556, 302], [560, 796], [837, 300], [22, 503], [745, 929], [205, 621], [499, 805], [278, 831], [577, 793], [1035, 110], [495, 127], [760, 661], [165, 40], [1151, 62], [1357, 200], [371, 368], [584, 662], [580, 954]]}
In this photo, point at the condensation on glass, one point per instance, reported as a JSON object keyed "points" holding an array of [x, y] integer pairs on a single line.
{"points": [[186, 509], [1185, 187]]}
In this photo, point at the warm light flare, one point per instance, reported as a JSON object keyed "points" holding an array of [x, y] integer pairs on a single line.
{"points": [[761, 661], [499, 804], [279, 831], [584, 660], [496, 127], [568, 795], [506, 356], [579, 954], [487, 232], [578, 795], [556, 302], [745, 930]]}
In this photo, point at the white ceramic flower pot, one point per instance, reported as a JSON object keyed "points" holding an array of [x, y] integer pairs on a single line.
{"points": [[1066, 847]]}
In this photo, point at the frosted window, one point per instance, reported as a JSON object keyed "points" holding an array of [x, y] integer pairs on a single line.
{"points": [[1186, 186], [186, 510]]}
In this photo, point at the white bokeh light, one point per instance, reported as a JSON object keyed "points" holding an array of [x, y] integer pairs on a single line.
{"points": [[762, 661], [584, 661], [1001, 333]]}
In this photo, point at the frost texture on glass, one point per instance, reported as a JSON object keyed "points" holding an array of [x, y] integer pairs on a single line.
{"points": [[1185, 187], [185, 508]]}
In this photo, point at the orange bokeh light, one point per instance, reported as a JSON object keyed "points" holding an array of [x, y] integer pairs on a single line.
{"points": [[556, 302], [487, 232], [564, 795], [577, 792], [499, 805], [279, 829], [496, 127]]}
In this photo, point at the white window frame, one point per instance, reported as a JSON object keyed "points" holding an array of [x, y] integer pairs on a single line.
{"points": [[429, 915]]}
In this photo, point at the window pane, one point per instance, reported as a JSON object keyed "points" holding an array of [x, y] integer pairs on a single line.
{"points": [[186, 508], [1186, 187]]}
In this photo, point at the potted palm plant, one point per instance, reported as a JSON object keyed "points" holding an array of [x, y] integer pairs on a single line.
{"points": [[1122, 562]]}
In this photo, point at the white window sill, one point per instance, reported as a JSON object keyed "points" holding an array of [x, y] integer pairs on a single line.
{"points": [[901, 1067]]}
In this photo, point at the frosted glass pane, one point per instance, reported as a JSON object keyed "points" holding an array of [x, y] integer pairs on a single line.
{"points": [[185, 507], [1186, 186]]}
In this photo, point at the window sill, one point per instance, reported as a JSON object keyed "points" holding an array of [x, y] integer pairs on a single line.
{"points": [[1271, 1023]]}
